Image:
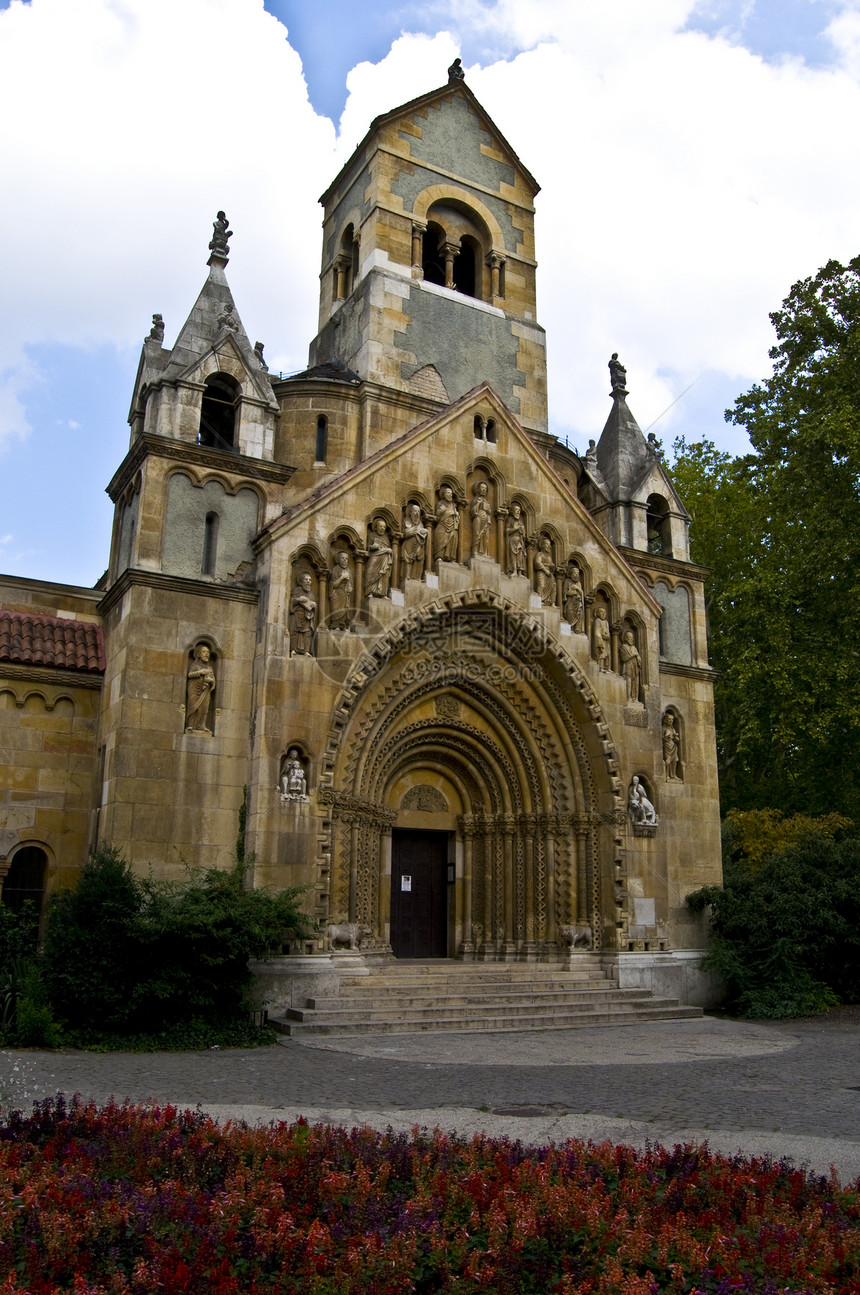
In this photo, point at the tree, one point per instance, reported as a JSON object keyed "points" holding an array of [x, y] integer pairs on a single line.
{"points": [[780, 529]]}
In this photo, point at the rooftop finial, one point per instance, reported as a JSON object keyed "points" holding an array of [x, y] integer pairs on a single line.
{"points": [[455, 72], [618, 376], [220, 233]]}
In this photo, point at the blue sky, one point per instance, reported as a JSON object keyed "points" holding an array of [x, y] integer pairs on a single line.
{"points": [[696, 159]]}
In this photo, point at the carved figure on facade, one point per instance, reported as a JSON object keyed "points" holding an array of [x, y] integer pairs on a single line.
{"points": [[414, 543], [515, 542], [617, 376], [200, 689], [303, 613], [294, 784], [573, 600], [545, 572], [639, 807], [447, 705], [340, 592], [221, 232], [671, 748], [631, 664], [481, 515], [156, 333], [379, 562], [579, 936], [349, 933], [601, 637], [226, 318], [447, 526], [258, 351]]}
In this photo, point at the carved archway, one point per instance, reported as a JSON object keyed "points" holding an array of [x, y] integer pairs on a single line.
{"points": [[471, 691]]}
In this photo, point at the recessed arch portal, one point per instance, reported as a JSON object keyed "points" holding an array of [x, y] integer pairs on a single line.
{"points": [[475, 688]]}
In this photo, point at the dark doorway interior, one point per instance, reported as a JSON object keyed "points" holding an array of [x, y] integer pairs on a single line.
{"points": [[419, 894]]}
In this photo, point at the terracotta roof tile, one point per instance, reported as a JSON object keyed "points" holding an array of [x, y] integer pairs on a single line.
{"points": [[51, 640]]}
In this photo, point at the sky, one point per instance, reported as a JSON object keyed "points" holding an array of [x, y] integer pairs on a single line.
{"points": [[696, 158]]}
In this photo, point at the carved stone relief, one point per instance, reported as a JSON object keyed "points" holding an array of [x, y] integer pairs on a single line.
{"points": [[200, 689], [428, 800], [340, 592], [379, 562], [631, 665], [447, 706], [601, 637], [671, 748], [447, 526], [545, 572], [303, 616], [414, 543], [573, 596], [481, 515], [639, 807], [515, 542], [293, 782]]}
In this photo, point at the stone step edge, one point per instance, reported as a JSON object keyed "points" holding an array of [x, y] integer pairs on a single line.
{"points": [[583, 1021]]}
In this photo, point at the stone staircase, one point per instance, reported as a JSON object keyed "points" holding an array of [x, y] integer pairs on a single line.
{"points": [[449, 996]]}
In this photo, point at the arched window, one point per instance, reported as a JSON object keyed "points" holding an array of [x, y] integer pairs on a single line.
{"points": [[218, 412], [465, 267], [25, 879], [433, 261], [322, 439], [490, 430], [210, 544], [657, 518]]}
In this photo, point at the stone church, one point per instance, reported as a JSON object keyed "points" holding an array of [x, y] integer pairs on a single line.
{"points": [[451, 677]]}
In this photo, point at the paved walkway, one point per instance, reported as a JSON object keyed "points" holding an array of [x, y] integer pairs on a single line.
{"points": [[790, 1088]]}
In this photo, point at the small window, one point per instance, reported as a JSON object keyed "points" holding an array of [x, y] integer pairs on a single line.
{"points": [[490, 430], [479, 427], [218, 412], [322, 439], [210, 544], [657, 519]]}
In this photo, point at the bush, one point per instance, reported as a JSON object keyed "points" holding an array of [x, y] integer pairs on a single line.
{"points": [[126, 956], [24, 1013], [786, 932]]}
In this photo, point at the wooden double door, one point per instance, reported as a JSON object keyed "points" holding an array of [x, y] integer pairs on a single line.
{"points": [[419, 894]]}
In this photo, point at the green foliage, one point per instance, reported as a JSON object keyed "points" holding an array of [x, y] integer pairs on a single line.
{"points": [[780, 528], [127, 957], [786, 929], [24, 1014], [750, 836]]}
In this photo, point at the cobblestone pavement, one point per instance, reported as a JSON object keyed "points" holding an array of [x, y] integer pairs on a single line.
{"points": [[790, 1081]]}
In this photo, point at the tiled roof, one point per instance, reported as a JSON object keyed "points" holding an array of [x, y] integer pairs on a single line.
{"points": [[332, 370], [51, 640]]}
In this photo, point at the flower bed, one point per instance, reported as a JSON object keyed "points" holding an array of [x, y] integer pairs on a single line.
{"points": [[101, 1201]]}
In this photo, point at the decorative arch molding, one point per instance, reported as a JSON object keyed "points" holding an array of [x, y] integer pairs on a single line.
{"points": [[459, 195]]}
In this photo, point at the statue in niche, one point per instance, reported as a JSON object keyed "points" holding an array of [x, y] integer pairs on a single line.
{"points": [[545, 572], [671, 748], [294, 785], [380, 559], [631, 664], [515, 542], [414, 542], [573, 596], [156, 333], [340, 592], [600, 637], [482, 519], [199, 691], [303, 614], [642, 812], [447, 525]]}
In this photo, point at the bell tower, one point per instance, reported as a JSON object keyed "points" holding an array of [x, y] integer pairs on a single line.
{"points": [[427, 283]]}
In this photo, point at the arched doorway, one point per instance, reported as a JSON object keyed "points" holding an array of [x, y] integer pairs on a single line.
{"points": [[475, 744], [24, 883]]}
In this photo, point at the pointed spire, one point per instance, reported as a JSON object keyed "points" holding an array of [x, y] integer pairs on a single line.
{"points": [[622, 451]]}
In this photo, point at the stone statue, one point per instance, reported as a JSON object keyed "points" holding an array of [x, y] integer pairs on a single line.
{"points": [[573, 596], [303, 612], [220, 234], [226, 318], [340, 592], [641, 811], [618, 376], [654, 445], [600, 637], [515, 542], [258, 351], [414, 542], [378, 571], [455, 71], [199, 691], [591, 458], [631, 664], [157, 330], [671, 748], [293, 782], [447, 526], [482, 519], [545, 572]]}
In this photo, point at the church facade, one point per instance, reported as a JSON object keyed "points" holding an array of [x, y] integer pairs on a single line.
{"points": [[448, 675]]}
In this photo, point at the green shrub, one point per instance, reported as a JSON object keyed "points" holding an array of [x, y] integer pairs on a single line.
{"points": [[786, 933], [18, 936], [126, 956]]}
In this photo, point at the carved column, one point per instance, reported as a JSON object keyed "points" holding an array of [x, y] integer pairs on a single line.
{"points": [[548, 824], [384, 897], [428, 547], [462, 537], [501, 555], [559, 588], [531, 545], [354, 828], [615, 632], [495, 262], [360, 559], [467, 829], [489, 881], [580, 825], [395, 560], [342, 265], [507, 833], [450, 251], [418, 231], [527, 824], [323, 597]]}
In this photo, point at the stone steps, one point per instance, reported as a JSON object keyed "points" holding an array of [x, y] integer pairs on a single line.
{"points": [[448, 997]]}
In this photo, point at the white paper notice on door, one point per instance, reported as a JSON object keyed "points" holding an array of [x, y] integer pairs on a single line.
{"points": [[405, 881]]}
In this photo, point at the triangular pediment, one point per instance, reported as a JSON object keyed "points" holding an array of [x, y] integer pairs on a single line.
{"points": [[446, 447]]}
